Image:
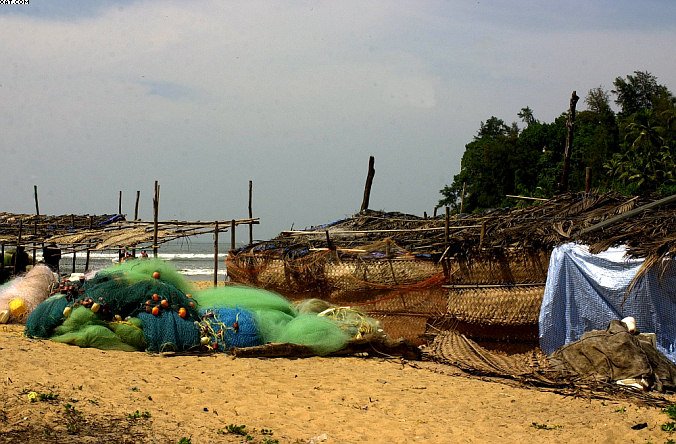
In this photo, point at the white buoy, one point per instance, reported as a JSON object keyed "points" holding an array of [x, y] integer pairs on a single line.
{"points": [[630, 323]]}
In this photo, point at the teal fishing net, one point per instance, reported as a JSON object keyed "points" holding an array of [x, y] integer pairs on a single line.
{"points": [[46, 317], [169, 332], [130, 288]]}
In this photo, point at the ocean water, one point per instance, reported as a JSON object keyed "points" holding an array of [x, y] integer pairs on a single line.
{"points": [[195, 259]]}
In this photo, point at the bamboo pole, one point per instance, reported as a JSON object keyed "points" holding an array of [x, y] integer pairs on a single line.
{"points": [[398, 230], [629, 213], [119, 203], [526, 198], [216, 254]]}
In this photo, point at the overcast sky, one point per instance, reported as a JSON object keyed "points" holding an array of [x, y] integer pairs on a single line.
{"points": [[98, 97]]}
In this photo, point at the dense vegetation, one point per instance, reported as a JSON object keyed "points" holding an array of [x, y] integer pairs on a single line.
{"points": [[632, 151]]}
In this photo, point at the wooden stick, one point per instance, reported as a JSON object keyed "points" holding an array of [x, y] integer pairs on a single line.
{"points": [[119, 203], [526, 198]]}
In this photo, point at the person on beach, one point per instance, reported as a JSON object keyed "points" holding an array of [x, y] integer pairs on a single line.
{"points": [[19, 260], [144, 255], [51, 254]]}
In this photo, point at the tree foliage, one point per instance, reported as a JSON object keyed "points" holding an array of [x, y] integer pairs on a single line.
{"points": [[632, 151]]}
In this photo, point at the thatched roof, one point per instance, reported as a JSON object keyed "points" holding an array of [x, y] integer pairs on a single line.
{"points": [[647, 232], [79, 232]]}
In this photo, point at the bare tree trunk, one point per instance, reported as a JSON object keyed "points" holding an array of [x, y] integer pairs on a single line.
{"points": [[570, 125]]}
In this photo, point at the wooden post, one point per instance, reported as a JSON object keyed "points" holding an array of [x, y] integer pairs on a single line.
{"points": [[447, 227], [156, 208], [2, 256], [462, 198], [138, 195], [232, 235], [483, 233], [18, 242], [587, 180], [216, 255], [37, 207], [119, 203], [369, 182], [37, 213], [250, 213], [570, 125], [444, 257], [91, 224]]}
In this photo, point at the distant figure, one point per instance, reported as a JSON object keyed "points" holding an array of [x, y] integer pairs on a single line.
{"points": [[19, 260], [122, 255], [144, 255], [51, 254]]}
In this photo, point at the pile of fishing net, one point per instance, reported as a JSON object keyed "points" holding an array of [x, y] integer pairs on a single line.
{"points": [[135, 305], [145, 304], [21, 295]]}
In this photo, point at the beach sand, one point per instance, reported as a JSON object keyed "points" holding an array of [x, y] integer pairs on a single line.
{"points": [[90, 395]]}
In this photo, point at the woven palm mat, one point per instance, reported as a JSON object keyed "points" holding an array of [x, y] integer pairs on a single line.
{"points": [[496, 306], [529, 370]]}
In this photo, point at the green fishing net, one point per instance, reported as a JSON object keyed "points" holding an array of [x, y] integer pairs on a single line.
{"points": [[320, 334], [84, 329], [233, 296]]}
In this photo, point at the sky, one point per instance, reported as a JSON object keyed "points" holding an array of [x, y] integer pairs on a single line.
{"points": [[100, 97]]}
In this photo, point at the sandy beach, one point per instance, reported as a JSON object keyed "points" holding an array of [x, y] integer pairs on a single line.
{"points": [[89, 395]]}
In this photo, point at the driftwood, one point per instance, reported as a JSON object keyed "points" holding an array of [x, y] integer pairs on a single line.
{"points": [[373, 347]]}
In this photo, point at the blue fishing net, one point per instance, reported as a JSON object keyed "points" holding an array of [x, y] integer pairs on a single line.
{"points": [[229, 327]]}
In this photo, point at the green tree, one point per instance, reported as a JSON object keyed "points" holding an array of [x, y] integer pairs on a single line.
{"points": [[638, 92]]}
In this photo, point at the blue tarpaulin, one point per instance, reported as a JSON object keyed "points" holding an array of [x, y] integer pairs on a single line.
{"points": [[586, 291]]}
